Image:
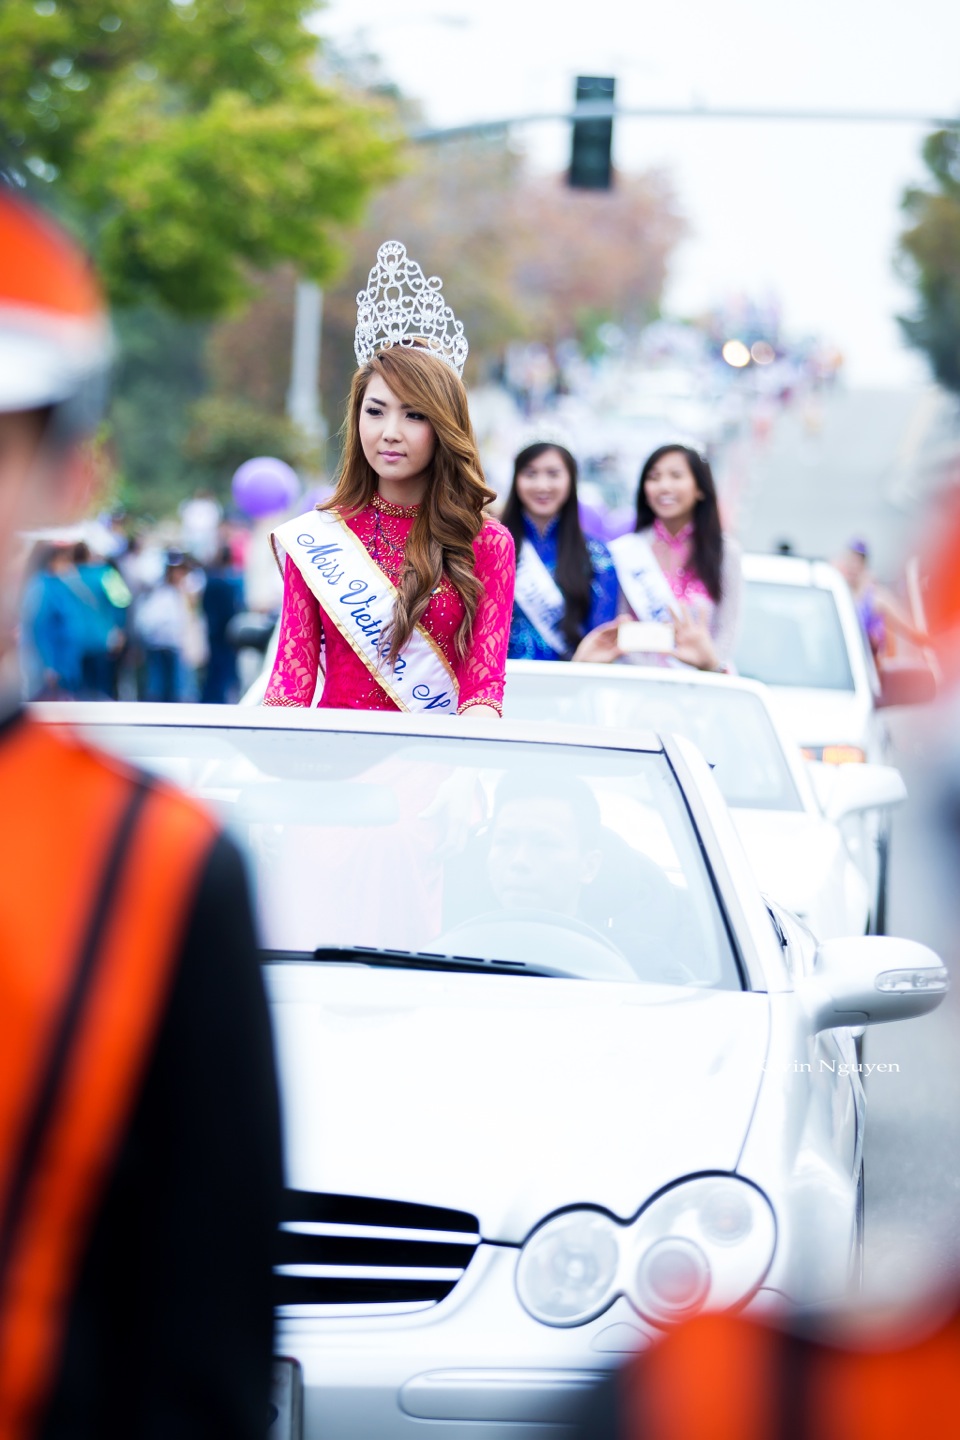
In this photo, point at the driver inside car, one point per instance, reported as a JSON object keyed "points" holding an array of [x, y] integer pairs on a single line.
{"points": [[544, 843], [525, 878], [550, 858]]}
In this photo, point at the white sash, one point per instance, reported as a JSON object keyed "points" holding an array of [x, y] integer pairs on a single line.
{"points": [[642, 581], [540, 598], [359, 599]]}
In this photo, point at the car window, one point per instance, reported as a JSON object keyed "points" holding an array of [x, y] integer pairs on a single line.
{"points": [[730, 727], [792, 635], [583, 862]]}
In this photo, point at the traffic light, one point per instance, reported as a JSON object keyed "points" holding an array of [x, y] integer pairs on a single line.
{"points": [[590, 166]]}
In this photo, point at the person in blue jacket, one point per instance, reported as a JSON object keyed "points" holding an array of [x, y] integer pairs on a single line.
{"points": [[566, 581], [54, 626]]}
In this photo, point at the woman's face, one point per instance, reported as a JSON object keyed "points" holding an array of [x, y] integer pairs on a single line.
{"points": [[544, 486], [398, 442], [671, 490]]}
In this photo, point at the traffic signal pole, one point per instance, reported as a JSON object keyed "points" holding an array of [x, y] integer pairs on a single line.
{"points": [[607, 110]]}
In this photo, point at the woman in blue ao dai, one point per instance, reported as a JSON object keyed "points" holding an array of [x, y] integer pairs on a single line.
{"points": [[566, 581]]}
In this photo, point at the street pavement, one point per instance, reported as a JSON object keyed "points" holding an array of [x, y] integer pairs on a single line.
{"points": [[847, 464], [868, 464], [912, 1152]]}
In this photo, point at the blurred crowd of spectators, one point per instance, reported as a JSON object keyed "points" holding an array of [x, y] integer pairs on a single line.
{"points": [[123, 614]]}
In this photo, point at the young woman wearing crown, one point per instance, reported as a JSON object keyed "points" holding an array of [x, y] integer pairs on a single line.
{"points": [[398, 591]]}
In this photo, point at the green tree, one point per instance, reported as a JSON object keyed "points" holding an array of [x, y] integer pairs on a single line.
{"points": [[195, 146], [191, 141], [931, 252], [160, 371], [224, 432]]}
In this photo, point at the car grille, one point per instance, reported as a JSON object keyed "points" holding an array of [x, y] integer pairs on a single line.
{"points": [[355, 1255]]}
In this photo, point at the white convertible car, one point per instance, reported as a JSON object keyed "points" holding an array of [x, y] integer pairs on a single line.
{"points": [[795, 841], [800, 635], [553, 1075]]}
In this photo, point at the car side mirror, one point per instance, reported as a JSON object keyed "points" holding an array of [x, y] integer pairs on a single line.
{"points": [[906, 685], [870, 979], [852, 789]]}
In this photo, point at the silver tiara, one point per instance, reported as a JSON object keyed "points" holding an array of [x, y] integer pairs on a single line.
{"points": [[400, 306]]}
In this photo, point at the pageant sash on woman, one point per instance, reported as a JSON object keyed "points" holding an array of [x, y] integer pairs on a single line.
{"points": [[540, 598], [359, 599], [642, 581]]}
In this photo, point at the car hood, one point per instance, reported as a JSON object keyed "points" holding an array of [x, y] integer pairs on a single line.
{"points": [[823, 717], [509, 1096]]}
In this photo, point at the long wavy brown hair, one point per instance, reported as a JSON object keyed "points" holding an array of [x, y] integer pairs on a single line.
{"points": [[451, 516]]}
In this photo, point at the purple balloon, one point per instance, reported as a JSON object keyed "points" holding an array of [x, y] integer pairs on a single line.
{"points": [[621, 522], [263, 486], [593, 522]]}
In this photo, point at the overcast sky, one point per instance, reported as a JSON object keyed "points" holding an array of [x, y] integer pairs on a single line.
{"points": [[809, 212]]}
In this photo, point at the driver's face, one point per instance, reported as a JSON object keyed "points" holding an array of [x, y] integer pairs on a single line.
{"points": [[537, 860]]}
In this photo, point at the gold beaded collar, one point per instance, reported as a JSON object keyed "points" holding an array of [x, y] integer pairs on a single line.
{"points": [[402, 512]]}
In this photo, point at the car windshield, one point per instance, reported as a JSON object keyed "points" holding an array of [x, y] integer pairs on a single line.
{"points": [[791, 635], [572, 860], [731, 727]]}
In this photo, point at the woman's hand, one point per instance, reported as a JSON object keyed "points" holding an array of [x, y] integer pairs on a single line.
{"points": [[601, 646], [692, 642]]}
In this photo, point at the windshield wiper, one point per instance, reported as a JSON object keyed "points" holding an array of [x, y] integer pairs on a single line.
{"points": [[412, 960]]}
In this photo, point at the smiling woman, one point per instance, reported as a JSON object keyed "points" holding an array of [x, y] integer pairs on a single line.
{"points": [[566, 583], [399, 591], [677, 570]]}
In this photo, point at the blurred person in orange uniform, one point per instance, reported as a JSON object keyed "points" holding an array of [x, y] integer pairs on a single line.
{"points": [[139, 1135], [942, 597], [724, 1377]]}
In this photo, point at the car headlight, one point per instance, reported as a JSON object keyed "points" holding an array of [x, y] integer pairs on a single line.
{"points": [[672, 1279], [568, 1268], [704, 1243]]}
